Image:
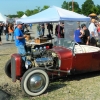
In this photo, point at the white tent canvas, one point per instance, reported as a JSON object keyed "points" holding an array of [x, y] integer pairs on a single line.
{"points": [[24, 16], [54, 14], [2, 18]]}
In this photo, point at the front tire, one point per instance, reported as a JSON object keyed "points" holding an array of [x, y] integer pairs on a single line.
{"points": [[34, 82], [8, 68]]}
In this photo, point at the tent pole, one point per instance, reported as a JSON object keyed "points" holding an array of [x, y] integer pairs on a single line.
{"points": [[72, 5]]}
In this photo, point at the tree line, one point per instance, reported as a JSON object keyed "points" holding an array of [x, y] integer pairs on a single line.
{"points": [[87, 8]]}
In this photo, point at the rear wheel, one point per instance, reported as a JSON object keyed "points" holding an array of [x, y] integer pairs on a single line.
{"points": [[8, 68], [34, 82]]}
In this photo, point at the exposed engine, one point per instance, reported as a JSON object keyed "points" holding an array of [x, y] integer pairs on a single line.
{"points": [[43, 58]]}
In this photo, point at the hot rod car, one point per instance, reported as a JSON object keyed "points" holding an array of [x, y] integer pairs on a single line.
{"points": [[65, 58]]}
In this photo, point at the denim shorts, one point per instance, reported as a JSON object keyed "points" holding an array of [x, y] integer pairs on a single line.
{"points": [[21, 50]]}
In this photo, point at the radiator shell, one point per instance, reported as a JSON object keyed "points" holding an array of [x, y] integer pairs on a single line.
{"points": [[16, 66]]}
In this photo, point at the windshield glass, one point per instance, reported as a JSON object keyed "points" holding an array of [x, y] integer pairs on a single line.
{"points": [[65, 42]]}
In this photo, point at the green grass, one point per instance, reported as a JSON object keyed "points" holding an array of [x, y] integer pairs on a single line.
{"points": [[78, 87]]}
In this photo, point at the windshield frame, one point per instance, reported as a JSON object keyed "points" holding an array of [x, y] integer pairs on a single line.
{"points": [[69, 44]]}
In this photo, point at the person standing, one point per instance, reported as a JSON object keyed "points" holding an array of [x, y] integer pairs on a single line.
{"points": [[85, 35], [20, 39], [0, 33], [2, 28], [11, 31], [39, 30], [59, 31], [77, 35], [43, 29], [7, 32], [98, 29], [93, 33], [30, 25], [50, 28]]}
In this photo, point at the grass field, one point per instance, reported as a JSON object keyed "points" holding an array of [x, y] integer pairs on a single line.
{"points": [[77, 87]]}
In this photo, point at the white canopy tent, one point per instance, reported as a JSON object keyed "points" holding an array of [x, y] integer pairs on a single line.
{"points": [[24, 16], [2, 18], [54, 14]]}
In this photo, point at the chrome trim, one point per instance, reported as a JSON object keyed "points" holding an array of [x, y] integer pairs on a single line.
{"points": [[36, 82]]}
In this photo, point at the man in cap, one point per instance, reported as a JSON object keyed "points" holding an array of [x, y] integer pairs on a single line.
{"points": [[20, 39]]}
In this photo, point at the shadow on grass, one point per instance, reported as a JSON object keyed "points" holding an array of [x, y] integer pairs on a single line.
{"points": [[7, 43], [58, 83], [81, 76], [55, 86], [3, 54]]}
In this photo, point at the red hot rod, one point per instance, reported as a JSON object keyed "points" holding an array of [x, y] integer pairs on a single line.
{"points": [[66, 58]]}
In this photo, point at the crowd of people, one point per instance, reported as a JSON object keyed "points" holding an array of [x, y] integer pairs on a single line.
{"points": [[82, 35], [88, 35], [59, 29], [8, 30]]}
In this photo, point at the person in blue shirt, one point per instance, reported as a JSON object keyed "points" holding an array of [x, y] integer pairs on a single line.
{"points": [[30, 25], [77, 35], [20, 39]]}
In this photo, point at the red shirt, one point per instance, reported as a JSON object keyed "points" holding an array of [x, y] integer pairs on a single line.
{"points": [[98, 29]]}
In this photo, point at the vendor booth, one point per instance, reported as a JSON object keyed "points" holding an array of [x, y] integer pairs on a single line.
{"points": [[24, 16], [2, 18], [56, 14]]}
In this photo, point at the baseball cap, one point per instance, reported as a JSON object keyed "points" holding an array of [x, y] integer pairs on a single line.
{"points": [[83, 25], [19, 23]]}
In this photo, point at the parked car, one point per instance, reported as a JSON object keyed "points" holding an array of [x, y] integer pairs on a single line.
{"points": [[65, 58]]}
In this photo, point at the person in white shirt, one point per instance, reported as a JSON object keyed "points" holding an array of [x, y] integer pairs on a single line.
{"points": [[93, 33]]}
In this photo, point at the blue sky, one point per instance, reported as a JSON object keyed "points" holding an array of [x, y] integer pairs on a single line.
{"points": [[12, 6]]}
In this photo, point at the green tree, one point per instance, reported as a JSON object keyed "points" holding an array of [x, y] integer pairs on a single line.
{"points": [[44, 7], [88, 7], [20, 13], [98, 7], [65, 5], [37, 10], [29, 12], [11, 16], [68, 6], [95, 9]]}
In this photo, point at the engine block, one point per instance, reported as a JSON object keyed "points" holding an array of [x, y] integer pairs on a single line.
{"points": [[44, 61]]}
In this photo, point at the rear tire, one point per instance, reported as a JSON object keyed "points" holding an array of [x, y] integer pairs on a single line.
{"points": [[8, 68]]}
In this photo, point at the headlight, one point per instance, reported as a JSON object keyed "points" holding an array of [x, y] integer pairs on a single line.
{"points": [[36, 48], [59, 61], [40, 48], [28, 64]]}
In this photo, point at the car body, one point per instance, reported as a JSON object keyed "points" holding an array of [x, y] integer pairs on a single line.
{"points": [[65, 58]]}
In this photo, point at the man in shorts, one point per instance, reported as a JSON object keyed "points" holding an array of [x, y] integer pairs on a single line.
{"points": [[20, 39]]}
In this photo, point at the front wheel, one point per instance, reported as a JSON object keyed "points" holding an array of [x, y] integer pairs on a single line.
{"points": [[34, 82], [8, 68]]}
